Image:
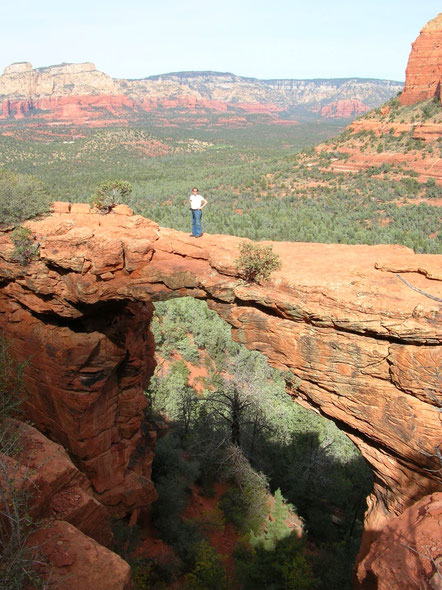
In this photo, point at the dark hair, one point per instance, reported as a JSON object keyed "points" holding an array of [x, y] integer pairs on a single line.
{"points": [[194, 189]]}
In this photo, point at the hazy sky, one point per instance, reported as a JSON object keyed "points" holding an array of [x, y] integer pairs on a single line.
{"points": [[257, 38]]}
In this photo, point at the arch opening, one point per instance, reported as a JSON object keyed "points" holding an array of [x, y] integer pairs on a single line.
{"points": [[223, 400]]}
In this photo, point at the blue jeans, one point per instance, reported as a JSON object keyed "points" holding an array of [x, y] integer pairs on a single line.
{"points": [[196, 221]]}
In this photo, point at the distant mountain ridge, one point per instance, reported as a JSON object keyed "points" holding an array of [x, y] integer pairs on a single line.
{"points": [[69, 93], [286, 93]]}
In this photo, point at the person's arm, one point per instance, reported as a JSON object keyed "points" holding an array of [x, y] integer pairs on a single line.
{"points": [[204, 203]]}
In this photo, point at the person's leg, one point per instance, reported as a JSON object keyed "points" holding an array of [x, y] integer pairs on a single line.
{"points": [[198, 215], [193, 216]]}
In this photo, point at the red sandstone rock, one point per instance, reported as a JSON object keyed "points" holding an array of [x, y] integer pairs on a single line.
{"points": [[94, 111], [426, 167], [427, 132], [60, 207], [74, 109], [72, 545], [424, 69], [381, 127], [122, 210], [364, 347], [80, 208], [405, 555], [344, 109], [93, 401], [77, 562], [58, 489]]}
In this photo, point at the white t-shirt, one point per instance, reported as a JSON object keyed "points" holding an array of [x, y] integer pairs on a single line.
{"points": [[196, 201]]}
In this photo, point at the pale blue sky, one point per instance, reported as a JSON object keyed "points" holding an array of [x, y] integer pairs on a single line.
{"points": [[262, 39]]}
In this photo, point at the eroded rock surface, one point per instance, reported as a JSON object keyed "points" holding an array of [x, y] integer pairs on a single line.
{"points": [[408, 553], [74, 561], [364, 348], [74, 528], [57, 488]]}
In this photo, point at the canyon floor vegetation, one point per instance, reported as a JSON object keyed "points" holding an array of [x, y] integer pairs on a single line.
{"points": [[295, 486]]}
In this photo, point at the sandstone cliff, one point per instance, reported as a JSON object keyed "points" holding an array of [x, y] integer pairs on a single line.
{"points": [[283, 94], [406, 131], [424, 69], [21, 82], [364, 348], [75, 531], [344, 109]]}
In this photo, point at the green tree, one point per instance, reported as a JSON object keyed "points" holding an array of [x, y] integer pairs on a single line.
{"points": [[286, 567], [276, 527], [111, 193], [256, 263], [25, 249], [245, 504], [22, 196], [209, 572]]}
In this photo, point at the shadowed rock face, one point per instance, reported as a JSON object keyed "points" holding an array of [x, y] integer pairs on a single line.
{"points": [[74, 531], [364, 347], [408, 553]]}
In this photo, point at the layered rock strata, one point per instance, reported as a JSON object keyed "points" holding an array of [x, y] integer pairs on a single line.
{"points": [[73, 535], [80, 94], [85, 389], [344, 109], [363, 348]]}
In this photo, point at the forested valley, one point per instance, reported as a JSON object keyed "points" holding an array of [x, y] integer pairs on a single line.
{"points": [[262, 182]]}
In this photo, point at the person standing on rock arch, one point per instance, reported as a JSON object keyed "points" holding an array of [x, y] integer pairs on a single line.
{"points": [[197, 203]]}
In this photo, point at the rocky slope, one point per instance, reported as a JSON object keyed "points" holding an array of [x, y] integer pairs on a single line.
{"points": [[406, 131], [79, 94], [364, 348], [405, 138], [75, 531]]}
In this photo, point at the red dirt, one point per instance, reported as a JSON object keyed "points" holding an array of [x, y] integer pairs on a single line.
{"points": [[205, 511], [221, 536], [197, 374], [152, 546]]}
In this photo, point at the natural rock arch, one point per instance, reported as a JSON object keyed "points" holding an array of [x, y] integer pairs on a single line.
{"points": [[364, 348]]}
